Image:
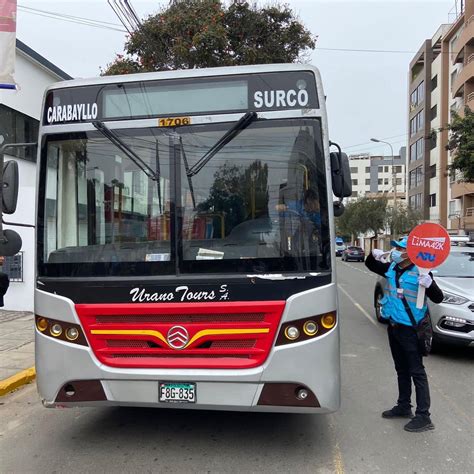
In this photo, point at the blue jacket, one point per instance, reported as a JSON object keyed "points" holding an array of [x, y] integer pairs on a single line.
{"points": [[392, 303]]}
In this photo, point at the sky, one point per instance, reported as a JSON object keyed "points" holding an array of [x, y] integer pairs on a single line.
{"points": [[366, 91]]}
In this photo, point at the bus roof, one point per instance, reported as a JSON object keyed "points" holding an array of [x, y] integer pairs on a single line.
{"points": [[185, 73]]}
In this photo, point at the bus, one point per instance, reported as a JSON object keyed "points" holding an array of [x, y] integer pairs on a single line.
{"points": [[185, 242]]}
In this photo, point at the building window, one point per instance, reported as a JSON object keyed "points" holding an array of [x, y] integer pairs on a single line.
{"points": [[452, 208], [16, 127], [432, 200], [380, 169], [433, 171], [385, 181], [433, 140], [367, 169], [434, 112], [367, 182], [385, 168], [398, 169], [354, 194], [399, 181], [419, 149], [354, 181], [434, 82], [415, 201], [379, 181], [353, 169], [13, 267], [412, 156]]}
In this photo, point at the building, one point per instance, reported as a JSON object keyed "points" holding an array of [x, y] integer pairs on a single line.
{"points": [[373, 175], [19, 122], [441, 80]]}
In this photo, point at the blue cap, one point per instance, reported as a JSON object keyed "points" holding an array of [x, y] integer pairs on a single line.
{"points": [[400, 243]]}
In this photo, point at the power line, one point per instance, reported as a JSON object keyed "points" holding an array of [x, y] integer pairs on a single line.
{"points": [[72, 19]]}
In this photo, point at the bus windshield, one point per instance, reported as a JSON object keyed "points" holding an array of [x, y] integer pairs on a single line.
{"points": [[258, 205]]}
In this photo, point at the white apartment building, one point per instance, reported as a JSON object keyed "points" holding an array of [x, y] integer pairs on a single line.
{"points": [[372, 175], [19, 121]]}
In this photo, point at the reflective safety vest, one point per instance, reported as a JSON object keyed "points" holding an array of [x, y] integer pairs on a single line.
{"points": [[392, 303]]}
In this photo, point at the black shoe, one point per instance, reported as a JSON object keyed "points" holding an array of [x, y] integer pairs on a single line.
{"points": [[398, 412], [419, 424]]}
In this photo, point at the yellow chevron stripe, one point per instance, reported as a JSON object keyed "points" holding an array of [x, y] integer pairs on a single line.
{"points": [[217, 332], [130, 332], [158, 335]]}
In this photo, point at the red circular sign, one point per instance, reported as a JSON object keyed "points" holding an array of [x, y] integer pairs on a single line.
{"points": [[428, 245]]}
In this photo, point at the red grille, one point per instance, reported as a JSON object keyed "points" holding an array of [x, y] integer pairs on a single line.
{"points": [[220, 335], [180, 318]]}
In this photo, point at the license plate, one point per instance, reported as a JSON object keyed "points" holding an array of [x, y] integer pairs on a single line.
{"points": [[177, 392]]}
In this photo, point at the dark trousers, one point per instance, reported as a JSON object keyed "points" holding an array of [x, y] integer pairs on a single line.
{"points": [[409, 365]]}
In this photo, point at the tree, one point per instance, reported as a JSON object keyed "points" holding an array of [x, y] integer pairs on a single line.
{"points": [[364, 216], [461, 142], [401, 220], [208, 33]]}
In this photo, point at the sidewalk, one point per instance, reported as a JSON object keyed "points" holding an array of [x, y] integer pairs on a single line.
{"points": [[17, 346]]}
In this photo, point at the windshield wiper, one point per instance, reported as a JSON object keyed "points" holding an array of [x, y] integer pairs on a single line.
{"points": [[186, 167], [242, 124], [126, 150]]}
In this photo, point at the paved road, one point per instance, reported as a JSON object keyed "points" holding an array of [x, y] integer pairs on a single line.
{"points": [[356, 439]]}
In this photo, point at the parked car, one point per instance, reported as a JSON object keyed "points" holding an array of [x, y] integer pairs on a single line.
{"points": [[453, 319], [353, 253], [340, 247]]}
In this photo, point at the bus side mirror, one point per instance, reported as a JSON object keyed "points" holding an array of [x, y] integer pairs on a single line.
{"points": [[10, 187], [10, 243], [341, 175]]}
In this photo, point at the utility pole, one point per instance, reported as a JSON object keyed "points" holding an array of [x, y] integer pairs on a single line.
{"points": [[394, 175]]}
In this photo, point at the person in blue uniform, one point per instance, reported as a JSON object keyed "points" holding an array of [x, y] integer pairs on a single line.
{"points": [[401, 291]]}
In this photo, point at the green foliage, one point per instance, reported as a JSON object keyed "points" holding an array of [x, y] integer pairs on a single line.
{"points": [[402, 220], [363, 216], [373, 215], [209, 33], [461, 142]]}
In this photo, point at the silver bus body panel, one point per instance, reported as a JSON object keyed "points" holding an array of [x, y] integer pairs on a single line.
{"points": [[314, 363]]}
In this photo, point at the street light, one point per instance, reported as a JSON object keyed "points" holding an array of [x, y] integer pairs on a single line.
{"points": [[394, 174]]}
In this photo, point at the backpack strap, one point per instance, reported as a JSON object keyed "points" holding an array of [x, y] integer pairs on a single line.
{"points": [[405, 302]]}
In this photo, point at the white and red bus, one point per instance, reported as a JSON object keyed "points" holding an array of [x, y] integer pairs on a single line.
{"points": [[185, 242]]}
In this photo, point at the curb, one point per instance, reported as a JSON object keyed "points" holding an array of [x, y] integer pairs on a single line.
{"points": [[17, 380]]}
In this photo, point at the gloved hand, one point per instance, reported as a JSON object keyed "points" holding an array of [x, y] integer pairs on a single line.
{"points": [[425, 280], [379, 255]]}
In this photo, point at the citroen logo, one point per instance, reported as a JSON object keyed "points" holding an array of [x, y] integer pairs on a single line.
{"points": [[177, 337]]}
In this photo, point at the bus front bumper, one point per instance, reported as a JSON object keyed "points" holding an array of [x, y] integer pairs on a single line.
{"points": [[64, 369]]}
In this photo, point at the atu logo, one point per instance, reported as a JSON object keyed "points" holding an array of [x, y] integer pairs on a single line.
{"points": [[426, 256], [177, 337]]}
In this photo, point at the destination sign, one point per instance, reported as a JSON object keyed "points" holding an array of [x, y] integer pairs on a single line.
{"points": [[165, 99]]}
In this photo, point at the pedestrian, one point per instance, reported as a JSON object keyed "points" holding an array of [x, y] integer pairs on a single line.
{"points": [[399, 300]]}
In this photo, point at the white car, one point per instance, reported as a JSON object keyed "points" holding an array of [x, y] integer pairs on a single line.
{"points": [[453, 319]]}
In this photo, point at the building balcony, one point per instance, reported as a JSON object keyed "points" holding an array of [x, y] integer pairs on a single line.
{"points": [[466, 74], [460, 188], [466, 37], [465, 222]]}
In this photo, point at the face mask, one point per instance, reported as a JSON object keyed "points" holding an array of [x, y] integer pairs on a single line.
{"points": [[396, 256]]}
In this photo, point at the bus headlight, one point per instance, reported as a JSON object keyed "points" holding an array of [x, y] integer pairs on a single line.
{"points": [[72, 334], [308, 328], [292, 333], [61, 330], [328, 321], [42, 324], [56, 330]]}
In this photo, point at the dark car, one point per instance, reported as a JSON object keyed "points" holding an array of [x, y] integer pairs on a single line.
{"points": [[353, 253]]}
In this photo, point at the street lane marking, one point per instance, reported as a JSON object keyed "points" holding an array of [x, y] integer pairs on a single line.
{"points": [[359, 307]]}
